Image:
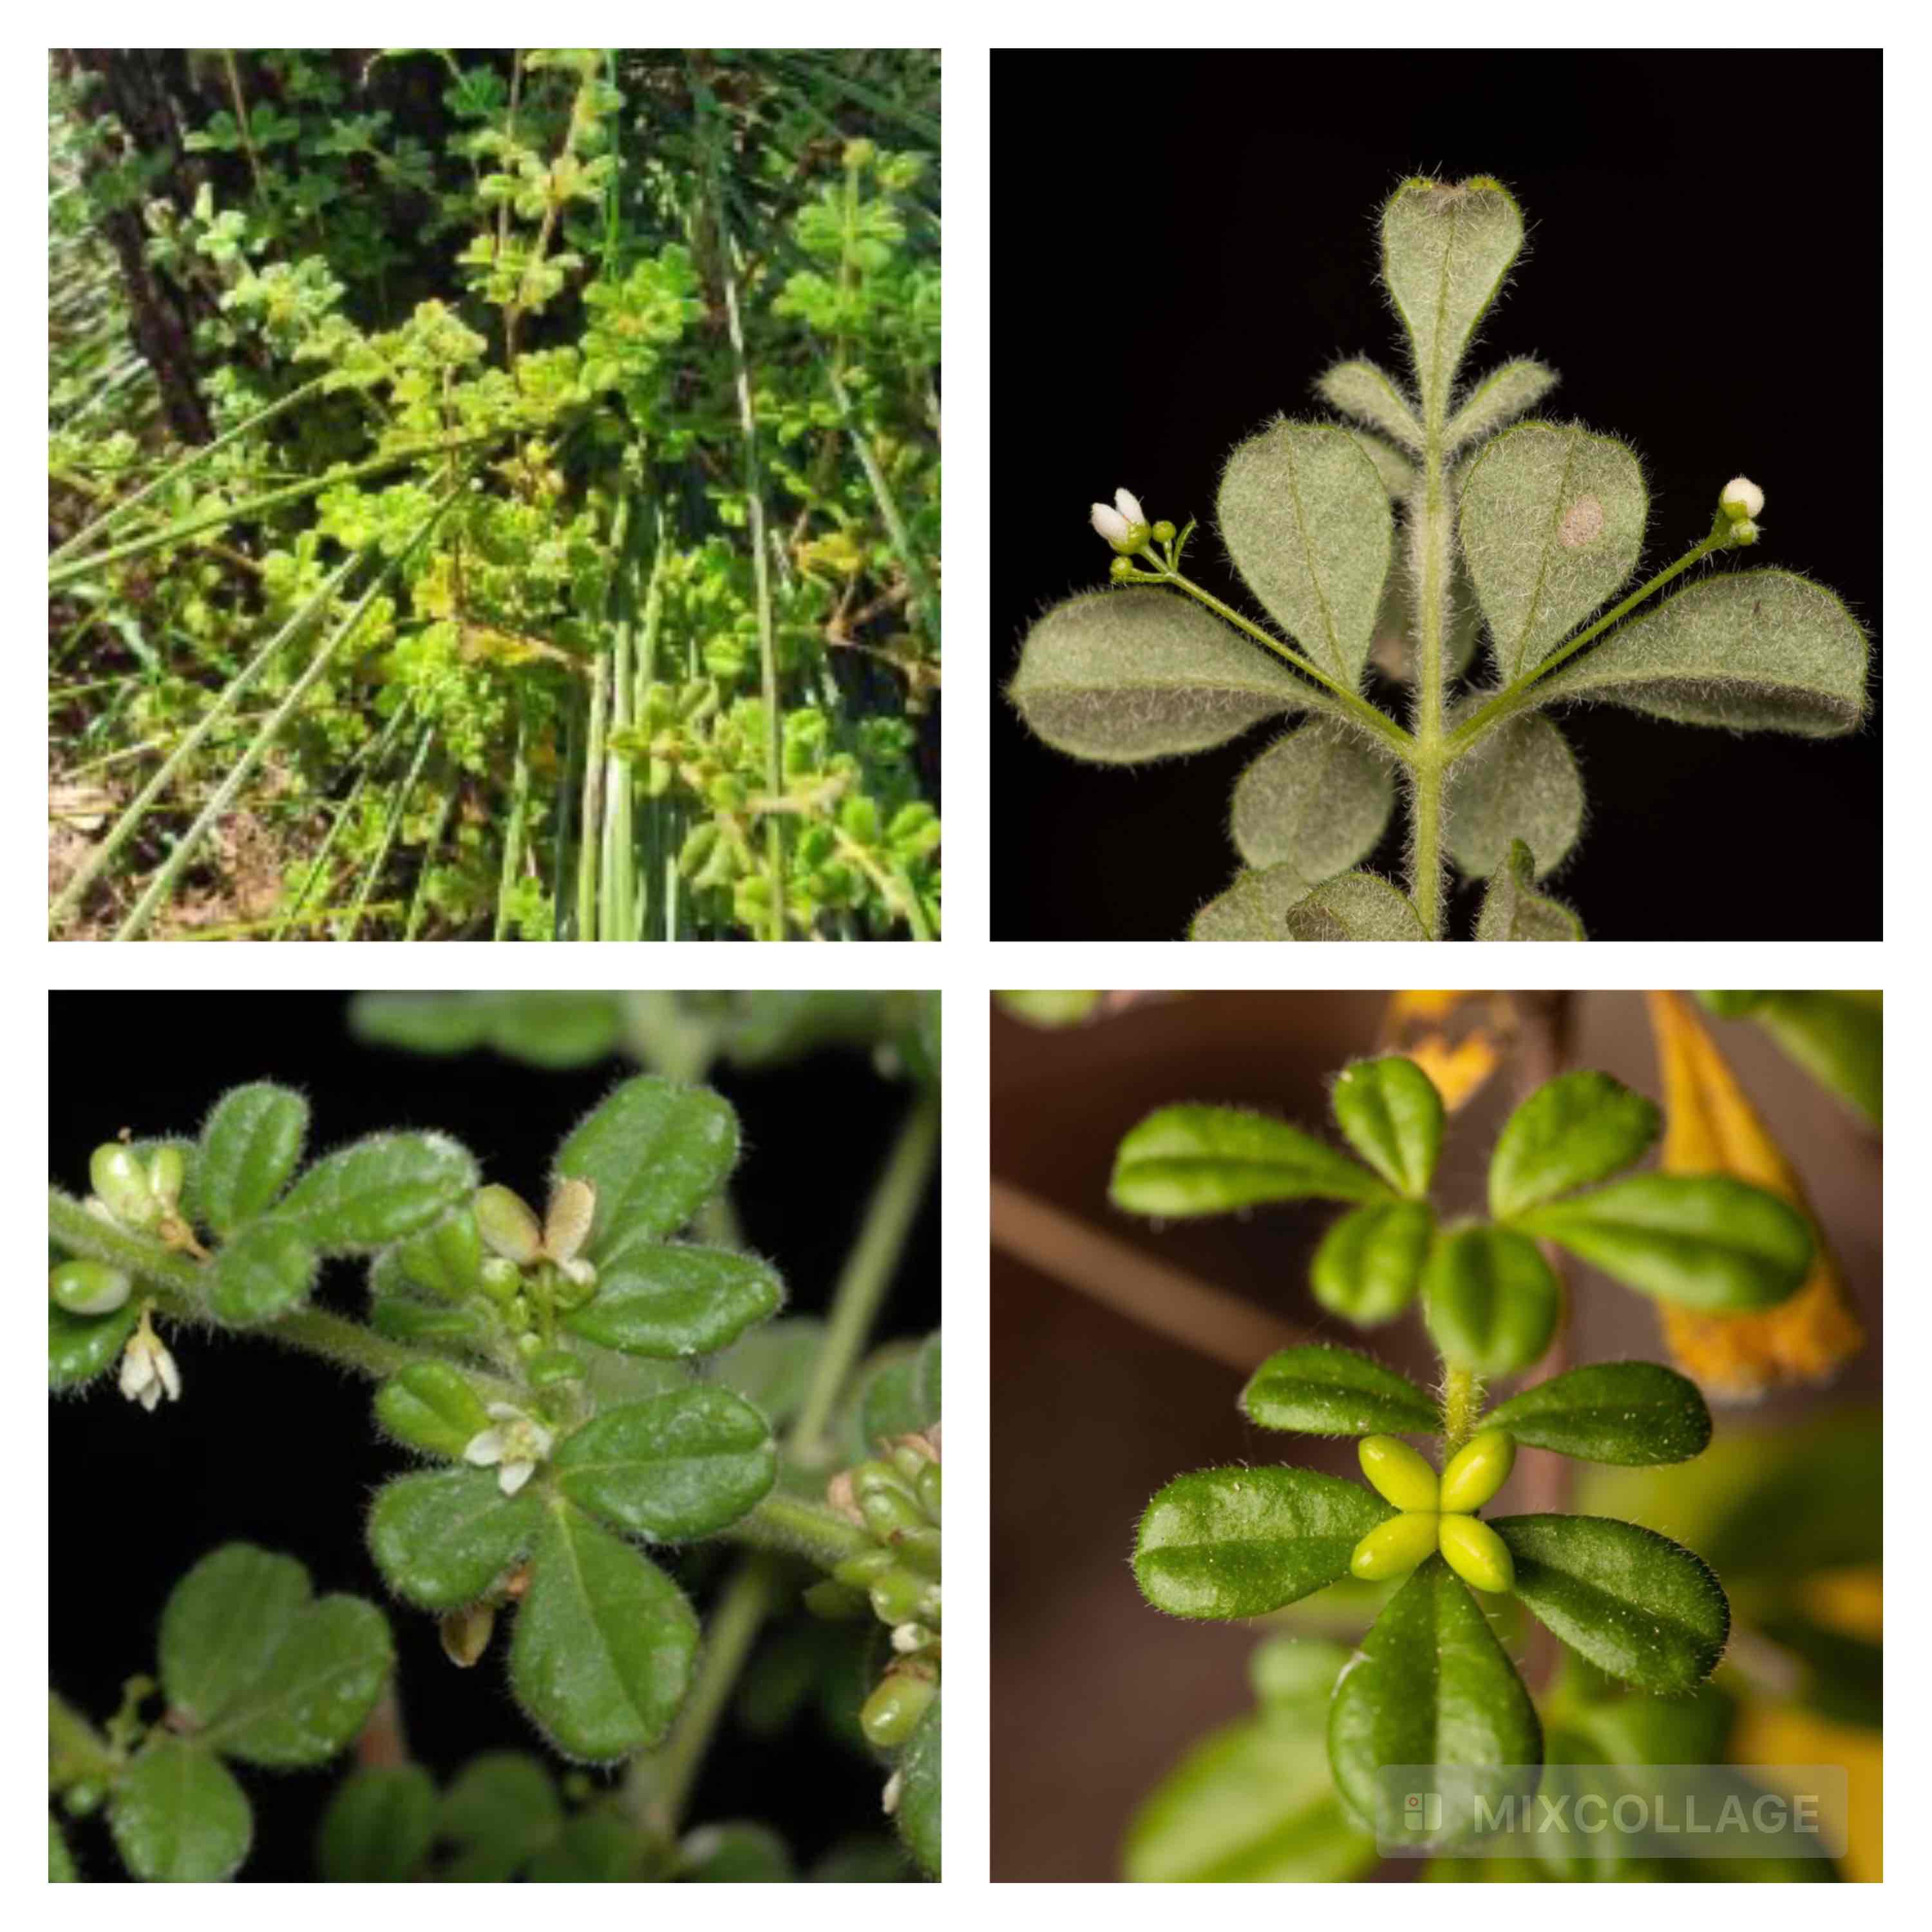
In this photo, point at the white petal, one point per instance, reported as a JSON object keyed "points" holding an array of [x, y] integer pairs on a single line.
{"points": [[170, 1376], [150, 1397], [512, 1476], [486, 1448], [1110, 523], [890, 1797], [1128, 506], [1743, 494], [539, 1440], [136, 1372], [505, 1412]]}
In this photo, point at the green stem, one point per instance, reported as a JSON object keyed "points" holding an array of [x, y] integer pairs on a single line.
{"points": [[787, 1525], [868, 1269], [1461, 1403], [1432, 540]]}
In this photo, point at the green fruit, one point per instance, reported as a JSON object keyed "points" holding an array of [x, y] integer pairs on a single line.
{"points": [[1477, 1554], [167, 1173], [88, 1288], [1477, 1470], [898, 1596], [1395, 1548], [1398, 1473], [121, 1182], [892, 1713]]}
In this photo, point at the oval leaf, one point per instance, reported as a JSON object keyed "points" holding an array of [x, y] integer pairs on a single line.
{"points": [[223, 1622], [1431, 1686], [655, 1152], [771, 1366], [1445, 251], [1512, 911], [251, 1144], [605, 1642], [378, 1190], [1701, 1240], [317, 1690], [1491, 1301], [441, 1539], [1370, 1264], [668, 1301], [1361, 390], [1357, 905], [1635, 1603], [379, 1826], [80, 1347], [445, 1260], [1322, 1391], [1392, 1114], [177, 1814], [1578, 1128], [1762, 650], [1307, 520], [1317, 800], [1520, 782], [1551, 523], [1119, 676], [267, 1269], [1211, 1160], [918, 1815], [429, 1405], [683, 1465], [1501, 396], [1254, 907], [1240, 1543], [502, 1808], [1629, 1412]]}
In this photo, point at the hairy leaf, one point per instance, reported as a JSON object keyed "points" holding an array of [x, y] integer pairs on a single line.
{"points": [[1392, 1114], [1520, 782], [1358, 905], [1635, 1603], [670, 1300], [317, 1690], [1703, 1240], [222, 1624], [1499, 398], [502, 1810], [1254, 907], [430, 1405], [1119, 676], [252, 1143], [1513, 911], [1211, 1160], [80, 1347], [267, 1269], [378, 1190], [656, 1151], [1431, 1686], [445, 1259], [1398, 473], [771, 1365], [1395, 647], [177, 1814], [1552, 521], [1491, 1300], [1240, 1543], [1328, 1391], [1758, 650], [1318, 799], [679, 1465], [1630, 1412], [1573, 1130], [1370, 1264], [379, 1826], [918, 1817], [605, 1642], [442, 1538], [1445, 251], [1307, 520], [1369, 395], [547, 1029]]}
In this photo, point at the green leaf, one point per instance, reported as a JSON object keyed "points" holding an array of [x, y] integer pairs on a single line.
{"points": [[655, 1152], [1254, 907], [771, 1365], [1520, 782], [252, 1143], [1370, 1264], [1398, 473], [918, 1814], [1305, 518], [442, 1538], [598, 1846], [1628, 1412], [1369, 395], [402, 1320], [734, 1854], [1392, 1114], [502, 1810], [605, 1642], [379, 1826], [1635, 1603], [1573, 1130], [267, 1269], [680, 1465], [1500, 397], [317, 1690], [1240, 1543], [1552, 521], [445, 1259], [1490, 1300], [1512, 911], [1317, 800], [1445, 251], [378, 1190], [1119, 676], [430, 1406], [1755, 650], [176, 1814], [667, 1300], [1838, 1038], [1394, 650], [1252, 1804], [80, 1347], [1327, 1391], [1431, 1686], [1703, 1240], [545, 1029], [1212, 1160], [896, 1393], [222, 1624], [60, 1867], [1358, 905]]}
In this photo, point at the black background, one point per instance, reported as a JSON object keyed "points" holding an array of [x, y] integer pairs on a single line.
{"points": [[277, 1448], [1182, 242]]}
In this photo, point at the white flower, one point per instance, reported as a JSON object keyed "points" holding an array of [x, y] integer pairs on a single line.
{"points": [[890, 1797], [1125, 526], [148, 1371], [516, 1445], [1742, 499]]}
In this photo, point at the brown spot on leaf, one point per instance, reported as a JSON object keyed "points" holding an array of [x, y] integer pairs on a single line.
{"points": [[1583, 522]]}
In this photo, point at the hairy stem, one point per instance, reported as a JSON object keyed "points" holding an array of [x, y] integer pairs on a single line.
{"points": [[785, 1524], [1461, 1403], [1428, 762]]}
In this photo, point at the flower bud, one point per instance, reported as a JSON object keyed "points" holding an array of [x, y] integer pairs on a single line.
{"points": [[1477, 1554], [121, 1182], [1477, 1470], [167, 1172], [1742, 499], [892, 1713], [88, 1288], [1124, 526], [573, 1207], [507, 1225]]}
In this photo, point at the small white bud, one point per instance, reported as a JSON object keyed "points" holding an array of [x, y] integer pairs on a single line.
{"points": [[147, 1370], [1125, 526], [1111, 524], [1742, 499], [1128, 506]]}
